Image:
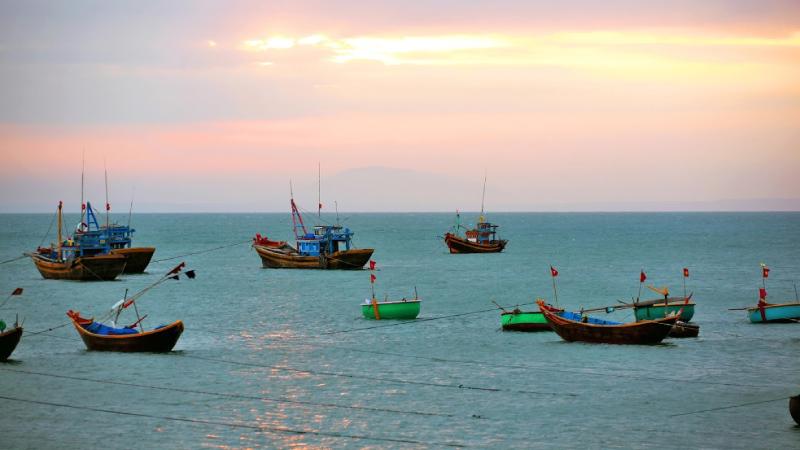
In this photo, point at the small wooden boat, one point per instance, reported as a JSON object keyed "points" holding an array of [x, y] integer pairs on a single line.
{"points": [[683, 329], [99, 337], [8, 341], [87, 257], [328, 247], [777, 313], [575, 327], [401, 309], [119, 238], [482, 239], [794, 408]]}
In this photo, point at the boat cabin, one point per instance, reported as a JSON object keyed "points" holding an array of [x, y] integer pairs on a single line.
{"points": [[325, 240], [484, 234]]}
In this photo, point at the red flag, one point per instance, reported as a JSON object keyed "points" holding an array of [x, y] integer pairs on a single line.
{"points": [[766, 272], [83, 206], [687, 298], [686, 272], [320, 206], [17, 291], [108, 207], [763, 293], [177, 269], [372, 265], [642, 277], [372, 278], [553, 271]]}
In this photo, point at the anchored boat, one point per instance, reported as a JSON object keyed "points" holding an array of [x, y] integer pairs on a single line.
{"points": [[765, 312], [328, 247], [87, 257], [120, 240], [481, 239]]}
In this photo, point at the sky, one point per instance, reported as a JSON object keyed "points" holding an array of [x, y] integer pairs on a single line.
{"points": [[400, 106]]}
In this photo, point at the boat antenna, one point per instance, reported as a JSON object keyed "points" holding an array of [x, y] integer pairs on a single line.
{"points": [[484, 191], [130, 211], [795, 294], [83, 169], [337, 212], [319, 192], [108, 207]]}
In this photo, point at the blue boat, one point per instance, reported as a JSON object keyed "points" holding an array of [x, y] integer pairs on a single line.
{"points": [[86, 257], [120, 240], [328, 247], [778, 313]]}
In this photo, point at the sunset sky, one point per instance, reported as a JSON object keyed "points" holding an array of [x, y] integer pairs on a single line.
{"points": [[213, 106]]}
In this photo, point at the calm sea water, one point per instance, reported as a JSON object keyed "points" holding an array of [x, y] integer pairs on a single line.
{"points": [[281, 358]]}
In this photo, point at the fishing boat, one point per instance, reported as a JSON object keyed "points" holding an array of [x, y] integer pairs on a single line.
{"points": [[98, 336], [765, 312], [328, 247], [119, 238], [88, 257], [400, 309], [574, 327], [518, 320], [9, 340], [794, 408], [481, 239]]}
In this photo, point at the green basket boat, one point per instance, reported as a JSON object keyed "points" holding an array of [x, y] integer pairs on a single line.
{"points": [[403, 309], [658, 311]]}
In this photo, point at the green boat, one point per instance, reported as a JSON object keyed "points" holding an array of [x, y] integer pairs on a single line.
{"points": [[524, 321], [403, 309], [657, 309]]}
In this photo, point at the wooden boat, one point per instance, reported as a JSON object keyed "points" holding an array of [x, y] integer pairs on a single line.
{"points": [[99, 337], [777, 313], [86, 258], [482, 239], [120, 241], [794, 408], [328, 247], [575, 327], [401, 309], [683, 329], [8, 341]]}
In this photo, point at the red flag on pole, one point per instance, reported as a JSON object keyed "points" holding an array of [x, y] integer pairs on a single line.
{"points": [[17, 291], [372, 265], [108, 207], [320, 206], [642, 277], [83, 207], [685, 272], [553, 271], [372, 278], [766, 272], [763, 293]]}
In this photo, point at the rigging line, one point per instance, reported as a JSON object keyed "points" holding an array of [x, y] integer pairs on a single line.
{"points": [[549, 369], [16, 259], [48, 229], [27, 335], [248, 397], [390, 380], [202, 251], [424, 319], [728, 407], [228, 424]]}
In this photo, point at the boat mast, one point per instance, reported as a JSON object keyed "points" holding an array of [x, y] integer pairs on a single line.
{"points": [[108, 207], [484, 192], [58, 256], [130, 211], [83, 205], [296, 218], [319, 192]]}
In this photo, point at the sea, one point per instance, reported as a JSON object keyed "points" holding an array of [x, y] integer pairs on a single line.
{"points": [[282, 358]]}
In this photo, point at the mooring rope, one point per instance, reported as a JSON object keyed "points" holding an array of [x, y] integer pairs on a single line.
{"points": [[201, 251]]}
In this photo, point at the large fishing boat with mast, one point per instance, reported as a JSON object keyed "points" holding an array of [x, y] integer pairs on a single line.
{"points": [[88, 257], [328, 247], [481, 239]]}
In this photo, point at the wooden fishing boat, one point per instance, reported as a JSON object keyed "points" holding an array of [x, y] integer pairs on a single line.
{"points": [[119, 238], [401, 309], [87, 257], [575, 327], [99, 337], [328, 247], [481, 239], [777, 313], [8, 341]]}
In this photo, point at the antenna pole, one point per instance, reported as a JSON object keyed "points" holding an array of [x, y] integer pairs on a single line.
{"points": [[83, 169], [319, 192], [130, 211], [107, 206], [484, 191]]}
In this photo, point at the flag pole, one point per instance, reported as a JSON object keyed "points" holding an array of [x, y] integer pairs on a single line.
{"points": [[555, 293], [641, 275], [684, 283]]}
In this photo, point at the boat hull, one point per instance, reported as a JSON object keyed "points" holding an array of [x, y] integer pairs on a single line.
{"points": [[160, 340], [8, 342], [458, 244], [648, 332], [657, 311], [280, 258], [85, 268], [684, 330], [794, 408], [408, 309], [779, 313], [525, 321], [138, 258]]}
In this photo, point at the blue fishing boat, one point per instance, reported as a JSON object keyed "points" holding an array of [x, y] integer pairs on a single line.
{"points": [[328, 247], [777, 313], [120, 239], [86, 256]]}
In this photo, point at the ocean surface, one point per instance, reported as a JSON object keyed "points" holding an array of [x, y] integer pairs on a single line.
{"points": [[282, 358]]}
